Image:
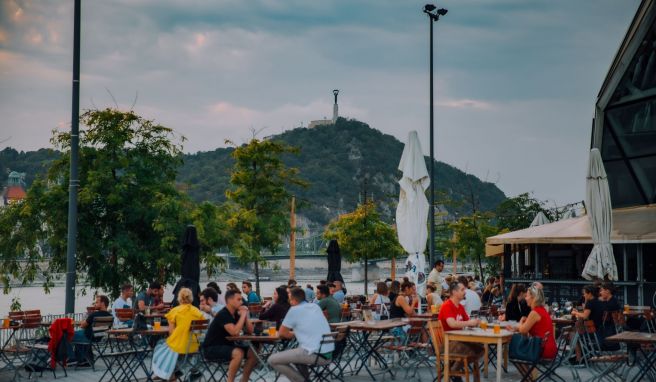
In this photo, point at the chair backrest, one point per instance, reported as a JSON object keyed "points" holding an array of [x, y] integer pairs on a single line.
{"points": [[101, 325], [31, 321], [196, 329], [91, 309], [123, 315], [437, 336]]}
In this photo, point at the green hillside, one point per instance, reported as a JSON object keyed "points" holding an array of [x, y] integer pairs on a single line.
{"points": [[334, 159]]}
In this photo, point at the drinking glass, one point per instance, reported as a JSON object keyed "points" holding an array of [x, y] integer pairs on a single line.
{"points": [[158, 323]]}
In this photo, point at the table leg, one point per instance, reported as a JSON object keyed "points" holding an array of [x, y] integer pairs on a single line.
{"points": [[486, 358], [499, 359], [447, 367]]}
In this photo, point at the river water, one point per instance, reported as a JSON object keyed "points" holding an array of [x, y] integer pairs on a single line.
{"points": [[53, 303]]}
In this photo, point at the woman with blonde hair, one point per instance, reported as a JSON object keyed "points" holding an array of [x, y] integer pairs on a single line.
{"points": [[166, 353]]}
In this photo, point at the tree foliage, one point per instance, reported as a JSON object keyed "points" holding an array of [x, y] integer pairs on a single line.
{"points": [[518, 212], [259, 198], [131, 216], [362, 234]]}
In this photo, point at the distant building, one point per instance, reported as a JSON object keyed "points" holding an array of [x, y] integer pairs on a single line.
{"points": [[15, 190]]}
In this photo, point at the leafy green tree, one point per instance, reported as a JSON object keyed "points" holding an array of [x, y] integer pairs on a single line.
{"points": [[259, 200], [362, 234], [131, 216], [518, 212]]}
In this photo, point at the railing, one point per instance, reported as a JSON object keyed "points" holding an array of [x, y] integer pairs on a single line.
{"points": [[34, 332]]}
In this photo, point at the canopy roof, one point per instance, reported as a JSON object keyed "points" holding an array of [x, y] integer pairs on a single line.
{"points": [[630, 225]]}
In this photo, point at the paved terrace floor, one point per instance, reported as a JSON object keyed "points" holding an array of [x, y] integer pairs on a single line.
{"points": [[424, 374]]}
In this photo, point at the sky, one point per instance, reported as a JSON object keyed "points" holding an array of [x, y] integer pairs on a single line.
{"points": [[516, 80]]}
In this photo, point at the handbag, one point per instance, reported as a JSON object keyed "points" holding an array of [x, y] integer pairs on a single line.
{"points": [[525, 348]]}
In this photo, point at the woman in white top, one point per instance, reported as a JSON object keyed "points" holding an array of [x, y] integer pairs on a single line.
{"points": [[381, 295], [432, 297]]}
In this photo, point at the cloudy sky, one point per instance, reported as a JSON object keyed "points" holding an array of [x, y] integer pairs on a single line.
{"points": [[516, 79]]}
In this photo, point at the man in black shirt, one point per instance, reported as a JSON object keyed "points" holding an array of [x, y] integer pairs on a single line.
{"points": [[82, 338], [230, 321]]}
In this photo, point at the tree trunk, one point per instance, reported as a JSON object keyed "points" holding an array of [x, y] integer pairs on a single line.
{"points": [[393, 271]]}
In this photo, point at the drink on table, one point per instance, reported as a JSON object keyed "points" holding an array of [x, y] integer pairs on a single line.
{"points": [[5, 322], [272, 331], [627, 308], [484, 324], [497, 328], [158, 323]]}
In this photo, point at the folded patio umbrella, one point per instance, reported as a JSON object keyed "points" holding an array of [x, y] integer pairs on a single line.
{"points": [[190, 270], [601, 262], [334, 262], [412, 210]]}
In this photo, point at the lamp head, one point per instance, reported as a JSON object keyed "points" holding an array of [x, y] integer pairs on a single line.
{"points": [[429, 8], [442, 11], [336, 91]]}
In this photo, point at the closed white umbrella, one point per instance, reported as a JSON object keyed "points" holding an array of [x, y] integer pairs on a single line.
{"points": [[601, 261], [412, 211], [540, 219]]}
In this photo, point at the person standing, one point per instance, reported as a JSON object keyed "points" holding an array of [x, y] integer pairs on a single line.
{"points": [[307, 324], [435, 276], [230, 321]]}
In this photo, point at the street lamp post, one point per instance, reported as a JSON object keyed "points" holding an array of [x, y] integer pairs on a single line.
{"points": [[73, 183], [433, 16]]}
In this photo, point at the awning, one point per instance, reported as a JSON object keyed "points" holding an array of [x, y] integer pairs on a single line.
{"points": [[630, 225]]}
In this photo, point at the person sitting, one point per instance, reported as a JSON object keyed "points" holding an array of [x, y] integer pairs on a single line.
{"points": [[401, 306], [147, 298], [230, 321], [276, 310], [307, 323], [472, 302], [251, 296], [395, 290], [309, 293], [337, 291], [291, 283], [220, 300], [516, 307], [599, 311], [454, 317], [432, 297], [85, 335], [435, 278], [208, 303], [124, 301], [381, 296], [328, 304], [538, 324], [166, 353]]}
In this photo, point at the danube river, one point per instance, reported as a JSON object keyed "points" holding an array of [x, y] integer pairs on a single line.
{"points": [[53, 303]]}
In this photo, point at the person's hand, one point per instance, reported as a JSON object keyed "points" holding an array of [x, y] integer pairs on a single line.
{"points": [[243, 311], [522, 320], [502, 317], [205, 308], [267, 304], [474, 322]]}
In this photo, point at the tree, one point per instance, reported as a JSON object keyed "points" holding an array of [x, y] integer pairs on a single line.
{"points": [[362, 235], [131, 216], [259, 200], [518, 212], [470, 233]]}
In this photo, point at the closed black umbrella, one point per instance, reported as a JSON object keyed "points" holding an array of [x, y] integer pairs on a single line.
{"points": [[190, 271], [334, 262]]}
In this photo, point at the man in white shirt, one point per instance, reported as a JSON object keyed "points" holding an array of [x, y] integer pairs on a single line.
{"points": [[435, 277], [124, 301], [306, 322], [472, 301]]}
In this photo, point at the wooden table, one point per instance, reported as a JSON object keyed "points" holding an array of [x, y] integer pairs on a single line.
{"points": [[480, 336], [639, 338], [162, 331]]}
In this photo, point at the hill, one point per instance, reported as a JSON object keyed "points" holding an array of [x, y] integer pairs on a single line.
{"points": [[334, 159]]}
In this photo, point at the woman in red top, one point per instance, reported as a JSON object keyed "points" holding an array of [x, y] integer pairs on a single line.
{"points": [[538, 323]]}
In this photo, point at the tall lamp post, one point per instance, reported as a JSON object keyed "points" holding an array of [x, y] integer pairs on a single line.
{"points": [[433, 16], [73, 183]]}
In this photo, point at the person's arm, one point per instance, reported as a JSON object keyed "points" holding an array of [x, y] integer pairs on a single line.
{"points": [[525, 324], [269, 313], [85, 324], [400, 301], [453, 323], [285, 333], [373, 298], [235, 329], [584, 315]]}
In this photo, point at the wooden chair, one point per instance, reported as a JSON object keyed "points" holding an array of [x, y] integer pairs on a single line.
{"points": [[437, 337], [124, 315]]}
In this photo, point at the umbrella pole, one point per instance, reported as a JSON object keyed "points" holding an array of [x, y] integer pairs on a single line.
{"points": [[292, 242]]}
